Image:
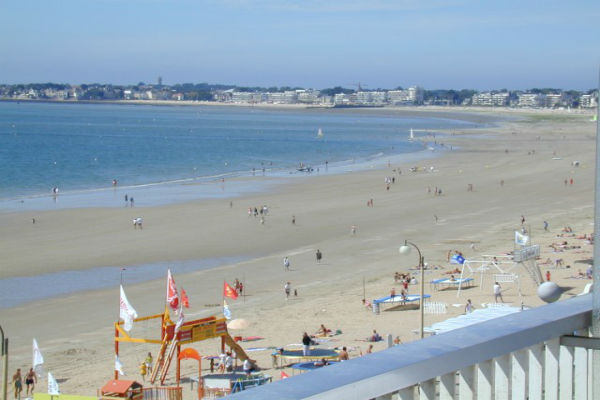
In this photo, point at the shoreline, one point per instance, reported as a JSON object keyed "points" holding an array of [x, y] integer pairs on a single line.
{"points": [[351, 164], [354, 266]]}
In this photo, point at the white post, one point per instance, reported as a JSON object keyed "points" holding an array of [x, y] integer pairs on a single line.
{"points": [[581, 373], [485, 380], [447, 386], [428, 390], [565, 380], [596, 269], [407, 393], [519, 374], [501, 377], [551, 369], [466, 383], [536, 372]]}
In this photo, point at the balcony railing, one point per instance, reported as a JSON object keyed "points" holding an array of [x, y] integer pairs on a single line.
{"points": [[541, 353]]}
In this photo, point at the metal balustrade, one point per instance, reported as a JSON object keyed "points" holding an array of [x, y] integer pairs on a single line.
{"points": [[541, 353]]}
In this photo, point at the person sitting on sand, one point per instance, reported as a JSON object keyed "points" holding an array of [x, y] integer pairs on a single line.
{"points": [[343, 356], [322, 331], [452, 278], [397, 341], [375, 337]]}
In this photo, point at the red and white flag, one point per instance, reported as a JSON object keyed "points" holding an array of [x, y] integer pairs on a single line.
{"points": [[172, 295], [185, 301], [228, 291], [126, 311], [284, 375]]}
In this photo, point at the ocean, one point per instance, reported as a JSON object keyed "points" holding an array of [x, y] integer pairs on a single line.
{"points": [[172, 154]]}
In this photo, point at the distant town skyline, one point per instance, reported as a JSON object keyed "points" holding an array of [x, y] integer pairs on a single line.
{"points": [[379, 43]]}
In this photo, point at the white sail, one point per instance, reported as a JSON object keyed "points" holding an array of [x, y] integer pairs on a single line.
{"points": [[320, 133], [412, 135]]}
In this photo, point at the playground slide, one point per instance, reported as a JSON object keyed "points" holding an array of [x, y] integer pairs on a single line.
{"points": [[236, 347]]}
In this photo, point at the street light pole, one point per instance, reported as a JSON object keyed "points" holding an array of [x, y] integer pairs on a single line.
{"points": [[406, 250], [4, 364]]}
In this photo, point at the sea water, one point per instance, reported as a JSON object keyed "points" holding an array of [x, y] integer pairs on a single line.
{"points": [[172, 154]]}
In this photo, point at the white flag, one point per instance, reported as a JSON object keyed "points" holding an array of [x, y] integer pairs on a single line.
{"points": [[521, 239], [118, 365], [180, 319], [126, 311], [52, 385], [38, 359], [226, 311]]}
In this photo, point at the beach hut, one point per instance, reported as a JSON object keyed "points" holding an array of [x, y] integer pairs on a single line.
{"points": [[120, 389]]}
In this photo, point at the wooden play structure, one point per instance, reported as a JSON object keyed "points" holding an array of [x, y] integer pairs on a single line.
{"points": [[171, 340], [121, 390]]}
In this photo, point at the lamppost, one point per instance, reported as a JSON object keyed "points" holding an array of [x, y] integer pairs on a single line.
{"points": [[404, 250], [4, 364]]}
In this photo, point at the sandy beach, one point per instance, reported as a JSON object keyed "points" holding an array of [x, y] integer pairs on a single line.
{"points": [[522, 166]]}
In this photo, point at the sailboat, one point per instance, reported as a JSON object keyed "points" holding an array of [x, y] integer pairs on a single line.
{"points": [[412, 135], [320, 133]]}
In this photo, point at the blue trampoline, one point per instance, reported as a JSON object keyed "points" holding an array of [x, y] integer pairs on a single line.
{"points": [[309, 366]]}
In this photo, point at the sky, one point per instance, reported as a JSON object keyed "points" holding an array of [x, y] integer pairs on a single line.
{"points": [[436, 44]]}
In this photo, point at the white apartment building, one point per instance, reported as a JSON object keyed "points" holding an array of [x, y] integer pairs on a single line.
{"points": [[363, 98], [379, 97], [490, 99], [588, 101], [416, 94], [412, 95], [308, 96], [531, 100], [554, 100]]}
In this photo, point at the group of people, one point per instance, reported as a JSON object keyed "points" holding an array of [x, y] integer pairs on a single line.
{"points": [[129, 200], [30, 381], [238, 286]]}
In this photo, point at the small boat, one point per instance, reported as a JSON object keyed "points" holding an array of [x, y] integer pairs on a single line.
{"points": [[412, 135], [320, 133]]}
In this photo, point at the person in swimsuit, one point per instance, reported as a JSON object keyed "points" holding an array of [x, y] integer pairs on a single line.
{"points": [[30, 381], [17, 381]]}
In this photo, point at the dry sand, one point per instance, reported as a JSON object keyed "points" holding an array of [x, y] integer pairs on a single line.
{"points": [[532, 154]]}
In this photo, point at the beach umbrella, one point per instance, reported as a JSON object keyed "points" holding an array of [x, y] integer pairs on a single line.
{"points": [[239, 323]]}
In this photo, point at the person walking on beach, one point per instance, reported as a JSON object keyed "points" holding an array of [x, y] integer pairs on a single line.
{"points": [[293, 220], [319, 255], [17, 381], [30, 381], [306, 341], [497, 293], [126, 200], [546, 226], [286, 263], [131, 201], [148, 362], [287, 287], [469, 307], [353, 230]]}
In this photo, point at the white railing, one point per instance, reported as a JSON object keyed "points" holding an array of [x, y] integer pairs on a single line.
{"points": [[541, 353]]}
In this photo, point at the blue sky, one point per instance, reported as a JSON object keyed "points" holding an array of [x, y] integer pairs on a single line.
{"points": [[380, 43]]}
